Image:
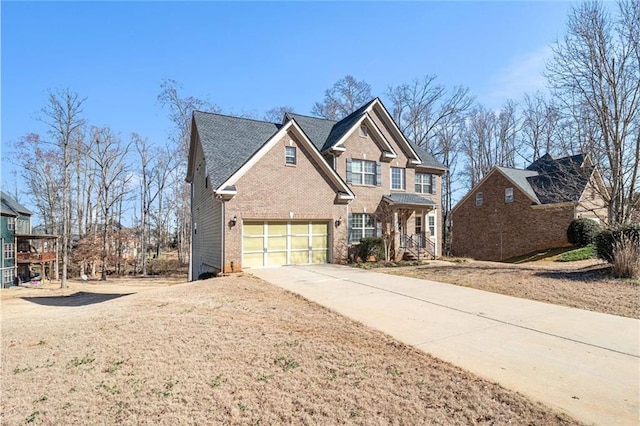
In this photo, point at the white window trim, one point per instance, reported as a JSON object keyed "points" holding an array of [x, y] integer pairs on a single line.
{"points": [[403, 179], [508, 195], [425, 182], [362, 229], [434, 237], [287, 156], [363, 173], [8, 251]]}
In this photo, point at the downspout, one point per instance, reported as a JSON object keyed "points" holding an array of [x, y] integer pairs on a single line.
{"points": [[222, 237], [191, 236]]}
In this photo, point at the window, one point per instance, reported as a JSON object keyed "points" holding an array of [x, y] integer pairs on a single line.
{"points": [[290, 154], [8, 251], [424, 183], [363, 131], [479, 198], [362, 226], [363, 172], [418, 224], [508, 195], [432, 226], [11, 224], [7, 276], [397, 178]]}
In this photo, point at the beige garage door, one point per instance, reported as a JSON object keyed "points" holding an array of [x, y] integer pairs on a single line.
{"points": [[284, 243]]}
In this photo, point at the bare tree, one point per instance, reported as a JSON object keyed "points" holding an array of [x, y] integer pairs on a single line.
{"points": [[110, 157], [489, 140], [180, 110], [63, 117], [423, 108], [594, 74], [156, 166], [343, 98], [540, 127], [275, 115]]}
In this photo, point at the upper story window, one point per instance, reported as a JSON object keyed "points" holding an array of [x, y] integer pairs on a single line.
{"points": [[23, 226], [479, 198], [290, 154], [397, 178], [11, 224], [361, 225], [363, 172], [8, 251], [424, 183], [363, 131], [508, 195]]}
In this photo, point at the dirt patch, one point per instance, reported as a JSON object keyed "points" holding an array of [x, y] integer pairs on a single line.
{"points": [[583, 284], [231, 350]]}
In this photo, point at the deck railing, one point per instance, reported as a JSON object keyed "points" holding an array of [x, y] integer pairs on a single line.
{"points": [[35, 257]]}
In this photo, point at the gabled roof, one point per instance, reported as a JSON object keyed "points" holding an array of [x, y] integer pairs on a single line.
{"points": [[11, 207], [547, 180], [316, 129], [520, 178], [229, 142], [231, 146]]}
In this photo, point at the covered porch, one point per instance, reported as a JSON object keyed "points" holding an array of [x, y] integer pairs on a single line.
{"points": [[413, 222]]}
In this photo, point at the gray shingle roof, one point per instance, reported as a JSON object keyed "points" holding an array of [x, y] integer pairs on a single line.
{"points": [[560, 180], [316, 129], [549, 180], [229, 142], [10, 205], [428, 160], [520, 178], [408, 199]]}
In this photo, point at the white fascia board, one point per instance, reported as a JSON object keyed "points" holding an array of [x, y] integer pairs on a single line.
{"points": [[290, 125], [356, 125], [390, 119]]}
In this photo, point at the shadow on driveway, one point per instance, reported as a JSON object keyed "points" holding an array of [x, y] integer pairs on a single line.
{"points": [[81, 298]]}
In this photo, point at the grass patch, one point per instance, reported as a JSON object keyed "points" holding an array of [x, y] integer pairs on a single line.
{"points": [[583, 253]]}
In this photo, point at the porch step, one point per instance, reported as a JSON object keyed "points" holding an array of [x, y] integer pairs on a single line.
{"points": [[411, 256]]}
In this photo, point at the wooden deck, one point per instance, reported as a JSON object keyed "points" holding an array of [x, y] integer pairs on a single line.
{"points": [[35, 257]]}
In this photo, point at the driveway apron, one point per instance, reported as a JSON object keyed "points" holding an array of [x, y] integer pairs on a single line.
{"points": [[586, 364]]}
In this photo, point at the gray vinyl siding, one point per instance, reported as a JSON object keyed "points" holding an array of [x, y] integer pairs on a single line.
{"points": [[207, 213]]}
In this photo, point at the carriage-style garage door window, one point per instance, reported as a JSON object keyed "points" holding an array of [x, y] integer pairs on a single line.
{"points": [[284, 243]]}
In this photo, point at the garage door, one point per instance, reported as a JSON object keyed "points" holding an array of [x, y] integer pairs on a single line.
{"points": [[284, 243]]}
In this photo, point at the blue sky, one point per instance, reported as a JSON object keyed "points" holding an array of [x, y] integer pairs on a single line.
{"points": [[248, 57]]}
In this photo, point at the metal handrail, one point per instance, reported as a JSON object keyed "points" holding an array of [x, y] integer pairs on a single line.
{"points": [[417, 242]]}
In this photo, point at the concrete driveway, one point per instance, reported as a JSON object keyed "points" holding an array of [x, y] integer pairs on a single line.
{"points": [[584, 363]]}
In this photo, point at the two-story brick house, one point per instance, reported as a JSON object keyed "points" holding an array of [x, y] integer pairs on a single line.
{"points": [[512, 212], [306, 190], [23, 253]]}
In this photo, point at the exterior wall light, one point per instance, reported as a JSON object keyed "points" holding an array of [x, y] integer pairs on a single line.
{"points": [[233, 221]]}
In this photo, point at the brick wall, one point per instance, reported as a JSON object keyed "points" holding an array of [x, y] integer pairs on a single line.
{"points": [[273, 190], [498, 230]]}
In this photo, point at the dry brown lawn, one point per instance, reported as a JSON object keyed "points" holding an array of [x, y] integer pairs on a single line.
{"points": [[582, 284], [231, 350]]}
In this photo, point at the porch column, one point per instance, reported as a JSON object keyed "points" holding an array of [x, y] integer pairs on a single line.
{"points": [[396, 234]]}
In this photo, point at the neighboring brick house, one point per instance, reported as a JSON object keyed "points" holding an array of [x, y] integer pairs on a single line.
{"points": [[23, 252], [511, 212], [307, 190]]}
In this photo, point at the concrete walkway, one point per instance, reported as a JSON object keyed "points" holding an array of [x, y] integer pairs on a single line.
{"points": [[584, 363]]}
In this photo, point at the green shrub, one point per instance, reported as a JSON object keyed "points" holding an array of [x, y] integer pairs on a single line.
{"points": [[582, 232], [371, 247], [607, 239]]}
